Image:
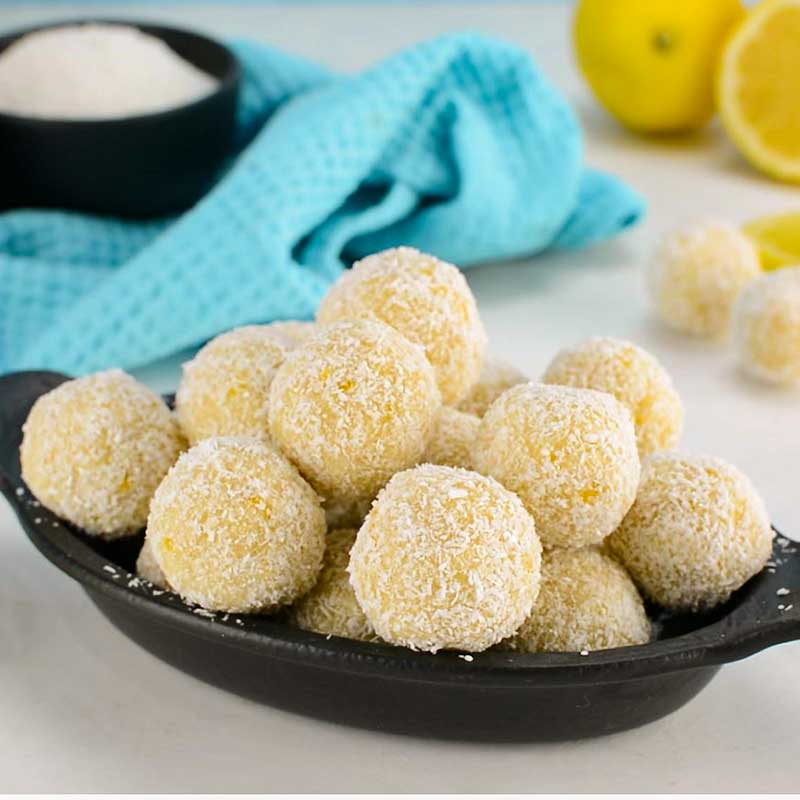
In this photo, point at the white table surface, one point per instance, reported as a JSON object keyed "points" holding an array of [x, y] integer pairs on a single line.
{"points": [[84, 709]]}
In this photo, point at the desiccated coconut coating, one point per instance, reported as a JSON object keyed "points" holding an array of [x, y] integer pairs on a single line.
{"points": [[697, 531], [446, 559], [570, 454], [696, 273], [586, 602], [235, 528], [291, 332], [352, 406], [451, 441], [427, 300], [225, 387], [634, 377], [766, 326], [496, 376], [94, 450], [147, 566], [331, 607]]}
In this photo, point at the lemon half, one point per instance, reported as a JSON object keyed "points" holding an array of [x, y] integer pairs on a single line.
{"points": [[758, 88], [777, 239]]}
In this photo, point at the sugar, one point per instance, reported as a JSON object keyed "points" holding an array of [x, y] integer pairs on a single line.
{"points": [[95, 71]]}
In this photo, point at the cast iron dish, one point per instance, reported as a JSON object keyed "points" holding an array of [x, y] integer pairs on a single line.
{"points": [[138, 166], [490, 696]]}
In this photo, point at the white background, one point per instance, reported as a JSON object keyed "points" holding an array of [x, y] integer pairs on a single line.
{"points": [[84, 709]]}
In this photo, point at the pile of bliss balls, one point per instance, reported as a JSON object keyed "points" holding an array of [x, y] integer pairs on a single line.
{"points": [[706, 280], [375, 475]]}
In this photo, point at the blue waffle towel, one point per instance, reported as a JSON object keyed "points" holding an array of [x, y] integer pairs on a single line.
{"points": [[458, 146]]}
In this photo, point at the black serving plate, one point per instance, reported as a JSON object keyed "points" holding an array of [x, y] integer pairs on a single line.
{"points": [[139, 166], [491, 696]]}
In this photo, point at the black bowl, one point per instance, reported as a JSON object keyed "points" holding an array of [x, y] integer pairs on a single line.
{"points": [[140, 166], [491, 696]]}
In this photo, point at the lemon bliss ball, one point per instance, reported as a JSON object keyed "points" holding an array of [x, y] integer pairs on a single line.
{"points": [[587, 601], [696, 273], [147, 566], [425, 299], [446, 559], [697, 531], [634, 377], [225, 387], [451, 441], [331, 607], [352, 406], [766, 326], [94, 450], [570, 454], [495, 377], [235, 528]]}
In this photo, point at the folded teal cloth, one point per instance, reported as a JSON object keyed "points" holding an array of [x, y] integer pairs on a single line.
{"points": [[458, 146]]}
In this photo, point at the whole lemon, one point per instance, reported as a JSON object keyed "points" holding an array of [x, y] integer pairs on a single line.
{"points": [[651, 64]]}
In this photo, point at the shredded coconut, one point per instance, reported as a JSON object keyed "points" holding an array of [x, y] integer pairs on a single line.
{"points": [[95, 71]]}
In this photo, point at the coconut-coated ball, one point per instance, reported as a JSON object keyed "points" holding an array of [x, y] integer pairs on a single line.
{"points": [[570, 454], [235, 528], [634, 377], [224, 390], [291, 332], [147, 566], [766, 326], [425, 299], [495, 377], [587, 601], [697, 531], [331, 607], [696, 273], [451, 441], [446, 559], [94, 449], [352, 406]]}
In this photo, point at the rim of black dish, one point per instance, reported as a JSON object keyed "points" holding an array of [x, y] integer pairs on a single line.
{"points": [[717, 643], [750, 621]]}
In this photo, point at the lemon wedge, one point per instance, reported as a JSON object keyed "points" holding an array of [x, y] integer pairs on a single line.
{"points": [[777, 239], [758, 88]]}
